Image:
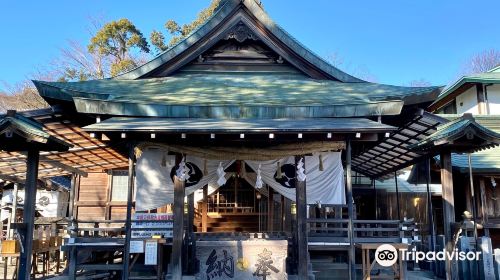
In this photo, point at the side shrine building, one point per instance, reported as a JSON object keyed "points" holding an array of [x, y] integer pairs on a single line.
{"points": [[250, 157]]}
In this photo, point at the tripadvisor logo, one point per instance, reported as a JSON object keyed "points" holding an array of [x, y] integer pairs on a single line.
{"points": [[387, 255]]}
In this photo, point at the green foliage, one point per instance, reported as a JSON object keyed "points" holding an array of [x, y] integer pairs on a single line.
{"points": [[72, 74], [117, 39], [122, 66], [172, 27], [158, 41], [179, 32]]}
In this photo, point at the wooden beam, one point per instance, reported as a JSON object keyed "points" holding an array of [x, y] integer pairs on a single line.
{"points": [[350, 210], [128, 225], [63, 166], [448, 207], [178, 233], [29, 214], [302, 249]]}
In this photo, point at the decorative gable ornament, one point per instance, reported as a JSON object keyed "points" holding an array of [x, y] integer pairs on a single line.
{"points": [[240, 32]]}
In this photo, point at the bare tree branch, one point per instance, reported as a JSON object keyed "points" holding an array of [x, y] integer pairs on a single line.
{"points": [[482, 62]]}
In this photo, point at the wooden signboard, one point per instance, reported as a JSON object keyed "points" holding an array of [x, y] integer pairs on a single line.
{"points": [[247, 259]]}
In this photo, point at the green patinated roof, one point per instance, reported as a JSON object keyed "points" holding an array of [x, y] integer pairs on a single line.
{"points": [[465, 126], [15, 127], [492, 77], [158, 96], [486, 161], [238, 126], [21, 123]]}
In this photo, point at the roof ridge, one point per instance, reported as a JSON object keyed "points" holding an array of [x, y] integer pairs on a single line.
{"points": [[226, 9]]}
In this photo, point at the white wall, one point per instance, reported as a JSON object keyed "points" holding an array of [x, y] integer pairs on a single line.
{"points": [[467, 102], [494, 99]]}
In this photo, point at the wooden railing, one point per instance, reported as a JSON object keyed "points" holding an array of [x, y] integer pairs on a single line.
{"points": [[98, 228], [334, 230]]}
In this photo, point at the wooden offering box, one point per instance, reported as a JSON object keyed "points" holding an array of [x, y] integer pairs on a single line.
{"points": [[10, 247], [55, 241]]}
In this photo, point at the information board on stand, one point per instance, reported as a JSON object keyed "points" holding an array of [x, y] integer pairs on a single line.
{"points": [[149, 225]]}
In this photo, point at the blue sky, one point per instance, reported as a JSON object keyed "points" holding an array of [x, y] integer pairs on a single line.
{"points": [[396, 41]]}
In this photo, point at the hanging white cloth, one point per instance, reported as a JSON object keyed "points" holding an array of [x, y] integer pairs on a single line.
{"points": [[326, 187], [154, 177], [155, 171], [153, 184]]}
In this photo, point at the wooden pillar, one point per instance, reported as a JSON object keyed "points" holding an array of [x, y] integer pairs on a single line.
{"points": [[282, 212], [204, 210], [350, 211], [128, 224], [448, 207], [270, 210], [432, 231], [484, 213], [29, 213], [301, 206], [481, 102], [178, 226], [72, 196], [14, 211], [398, 206], [190, 233], [287, 208]]}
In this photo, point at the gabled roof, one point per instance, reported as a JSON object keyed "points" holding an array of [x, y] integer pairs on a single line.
{"points": [[20, 133], [485, 161], [463, 134], [168, 86], [490, 77], [242, 96], [228, 16], [87, 154]]}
